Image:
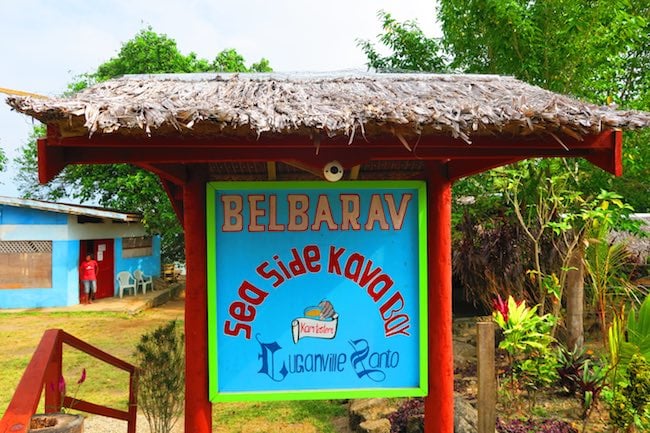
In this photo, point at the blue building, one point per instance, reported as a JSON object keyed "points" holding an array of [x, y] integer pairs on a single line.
{"points": [[42, 245]]}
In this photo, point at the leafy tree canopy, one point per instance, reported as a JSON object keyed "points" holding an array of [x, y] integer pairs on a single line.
{"points": [[411, 49], [123, 186], [595, 50]]}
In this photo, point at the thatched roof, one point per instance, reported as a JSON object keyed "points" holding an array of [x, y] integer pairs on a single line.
{"points": [[334, 104]]}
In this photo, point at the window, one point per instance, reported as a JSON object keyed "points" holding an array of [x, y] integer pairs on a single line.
{"points": [[137, 247], [25, 264]]}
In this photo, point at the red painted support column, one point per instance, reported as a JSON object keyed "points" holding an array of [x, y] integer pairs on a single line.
{"points": [[439, 404], [198, 409]]}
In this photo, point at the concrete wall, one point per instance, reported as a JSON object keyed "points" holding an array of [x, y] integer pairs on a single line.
{"points": [[65, 282], [150, 265], [10, 215], [50, 226]]}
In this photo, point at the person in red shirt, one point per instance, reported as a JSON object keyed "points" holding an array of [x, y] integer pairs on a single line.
{"points": [[88, 271]]}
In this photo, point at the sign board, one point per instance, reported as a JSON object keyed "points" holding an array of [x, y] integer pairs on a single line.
{"points": [[316, 290]]}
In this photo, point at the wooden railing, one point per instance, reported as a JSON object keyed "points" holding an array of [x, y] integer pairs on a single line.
{"points": [[46, 368]]}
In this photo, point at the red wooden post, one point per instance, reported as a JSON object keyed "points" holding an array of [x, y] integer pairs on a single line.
{"points": [[54, 374], [198, 410], [439, 404], [133, 403]]}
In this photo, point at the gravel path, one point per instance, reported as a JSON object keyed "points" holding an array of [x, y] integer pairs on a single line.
{"points": [[102, 424]]}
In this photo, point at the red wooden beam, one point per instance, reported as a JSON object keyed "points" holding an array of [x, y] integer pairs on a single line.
{"points": [[93, 351], [88, 407], [245, 144], [460, 168], [348, 156], [174, 173], [163, 155], [439, 403], [610, 158], [51, 160], [175, 195]]}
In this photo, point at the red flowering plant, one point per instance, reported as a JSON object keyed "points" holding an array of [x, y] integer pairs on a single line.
{"points": [[527, 342], [61, 388]]}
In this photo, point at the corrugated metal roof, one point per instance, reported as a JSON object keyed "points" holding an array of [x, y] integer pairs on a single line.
{"points": [[71, 209]]}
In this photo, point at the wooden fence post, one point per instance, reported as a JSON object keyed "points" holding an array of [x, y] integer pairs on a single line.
{"points": [[487, 385], [53, 380]]}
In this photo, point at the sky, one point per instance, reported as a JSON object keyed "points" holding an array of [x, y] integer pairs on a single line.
{"points": [[44, 44]]}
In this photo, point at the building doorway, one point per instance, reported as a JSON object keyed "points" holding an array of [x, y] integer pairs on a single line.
{"points": [[103, 251]]}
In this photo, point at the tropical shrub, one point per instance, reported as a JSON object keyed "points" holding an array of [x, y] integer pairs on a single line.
{"points": [[161, 379], [570, 364], [628, 395], [527, 341]]}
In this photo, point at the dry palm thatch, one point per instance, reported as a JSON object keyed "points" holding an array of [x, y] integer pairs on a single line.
{"points": [[333, 104]]}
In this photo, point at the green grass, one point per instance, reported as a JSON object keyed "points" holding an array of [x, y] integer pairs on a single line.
{"points": [[309, 416], [114, 333], [118, 334]]}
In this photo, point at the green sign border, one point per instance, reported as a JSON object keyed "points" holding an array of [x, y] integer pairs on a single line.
{"points": [[326, 394]]}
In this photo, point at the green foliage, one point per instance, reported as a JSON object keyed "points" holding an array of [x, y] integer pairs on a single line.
{"points": [[149, 53], [161, 376], [582, 377], [527, 341], [152, 53], [590, 383], [524, 331], [231, 61], [411, 49], [570, 365], [638, 328], [598, 50], [536, 41], [629, 397], [3, 160], [543, 200], [607, 263]]}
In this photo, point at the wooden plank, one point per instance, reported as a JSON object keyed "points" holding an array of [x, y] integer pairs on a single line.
{"points": [[460, 168], [86, 406], [354, 173], [174, 173], [93, 351], [25, 271], [28, 392], [13, 92], [487, 383], [271, 170], [248, 146]]}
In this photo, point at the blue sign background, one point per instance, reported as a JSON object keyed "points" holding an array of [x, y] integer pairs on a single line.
{"points": [[361, 359]]}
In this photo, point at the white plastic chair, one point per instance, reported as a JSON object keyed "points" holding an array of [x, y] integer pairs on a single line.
{"points": [[125, 281], [143, 280]]}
